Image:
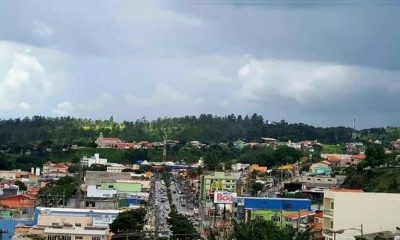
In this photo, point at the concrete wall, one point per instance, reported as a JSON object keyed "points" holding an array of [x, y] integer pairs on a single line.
{"points": [[92, 191], [375, 211]]}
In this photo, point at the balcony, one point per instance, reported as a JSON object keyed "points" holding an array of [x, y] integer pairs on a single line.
{"points": [[328, 213]]}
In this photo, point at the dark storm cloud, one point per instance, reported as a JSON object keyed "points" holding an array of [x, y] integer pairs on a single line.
{"points": [[319, 62]]}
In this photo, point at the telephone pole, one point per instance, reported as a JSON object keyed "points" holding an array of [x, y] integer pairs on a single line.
{"points": [[164, 158], [80, 177]]}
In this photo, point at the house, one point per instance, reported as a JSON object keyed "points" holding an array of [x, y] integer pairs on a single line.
{"points": [[107, 142], [257, 168], [350, 211], [18, 201], [299, 220], [321, 168], [55, 170]]}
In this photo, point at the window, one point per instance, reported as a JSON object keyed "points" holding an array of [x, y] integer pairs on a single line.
{"points": [[78, 237], [309, 179], [110, 186], [96, 238], [318, 179], [78, 225], [329, 180], [275, 219], [331, 224], [332, 205]]}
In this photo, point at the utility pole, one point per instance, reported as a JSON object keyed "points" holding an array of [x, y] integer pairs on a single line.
{"points": [[80, 177], [165, 145]]}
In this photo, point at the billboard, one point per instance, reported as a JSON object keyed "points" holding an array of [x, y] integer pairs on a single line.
{"points": [[224, 197]]}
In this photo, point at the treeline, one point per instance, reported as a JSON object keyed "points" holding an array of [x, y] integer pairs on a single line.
{"points": [[206, 128]]}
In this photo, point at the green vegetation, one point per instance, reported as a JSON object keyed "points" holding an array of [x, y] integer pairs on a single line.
{"points": [[375, 180], [58, 132], [21, 185], [332, 148], [65, 186], [129, 221], [266, 230]]}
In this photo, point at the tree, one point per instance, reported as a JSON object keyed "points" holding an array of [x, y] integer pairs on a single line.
{"points": [[256, 187], [129, 221], [21, 185], [261, 230], [181, 227]]}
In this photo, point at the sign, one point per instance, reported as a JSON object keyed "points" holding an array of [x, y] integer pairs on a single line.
{"points": [[217, 185], [224, 197]]}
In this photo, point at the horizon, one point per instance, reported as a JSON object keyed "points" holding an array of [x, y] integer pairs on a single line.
{"points": [[318, 63]]}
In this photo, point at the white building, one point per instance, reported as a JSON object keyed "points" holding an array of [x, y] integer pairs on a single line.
{"points": [[348, 212], [115, 167], [93, 160], [94, 191]]}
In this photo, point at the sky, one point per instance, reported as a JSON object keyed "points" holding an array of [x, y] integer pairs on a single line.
{"points": [[310, 61]]}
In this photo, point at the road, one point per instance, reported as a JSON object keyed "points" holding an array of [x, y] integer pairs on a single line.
{"points": [[161, 209], [182, 200]]}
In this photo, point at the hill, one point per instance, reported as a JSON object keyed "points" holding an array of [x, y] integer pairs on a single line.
{"points": [[375, 180], [206, 128]]}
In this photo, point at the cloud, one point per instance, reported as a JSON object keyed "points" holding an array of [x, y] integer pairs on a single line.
{"points": [[64, 109], [103, 100], [307, 82], [24, 83], [162, 95]]}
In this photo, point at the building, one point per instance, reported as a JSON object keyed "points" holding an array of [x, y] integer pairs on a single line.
{"points": [[257, 168], [216, 181], [115, 167], [272, 209], [318, 181], [95, 159], [343, 160], [69, 224], [107, 142], [18, 201], [12, 175], [239, 166], [99, 177], [354, 211], [55, 170], [321, 168]]}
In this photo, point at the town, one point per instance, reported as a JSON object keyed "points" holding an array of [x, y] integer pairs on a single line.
{"points": [[313, 196]]}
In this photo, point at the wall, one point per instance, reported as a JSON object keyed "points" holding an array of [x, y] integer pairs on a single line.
{"points": [[92, 191], [376, 211]]}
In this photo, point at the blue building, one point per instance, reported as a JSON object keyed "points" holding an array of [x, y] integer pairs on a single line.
{"points": [[244, 206]]}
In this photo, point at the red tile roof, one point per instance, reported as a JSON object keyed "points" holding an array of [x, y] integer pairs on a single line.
{"points": [[316, 227], [319, 214], [359, 156], [332, 158], [295, 215]]}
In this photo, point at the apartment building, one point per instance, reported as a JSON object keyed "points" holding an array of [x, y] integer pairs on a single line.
{"points": [[349, 213], [216, 181]]}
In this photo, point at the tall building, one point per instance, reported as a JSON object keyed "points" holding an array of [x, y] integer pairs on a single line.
{"points": [[217, 181], [349, 213]]}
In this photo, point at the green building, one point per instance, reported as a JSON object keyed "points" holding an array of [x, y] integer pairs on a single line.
{"points": [[217, 181], [122, 186]]}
